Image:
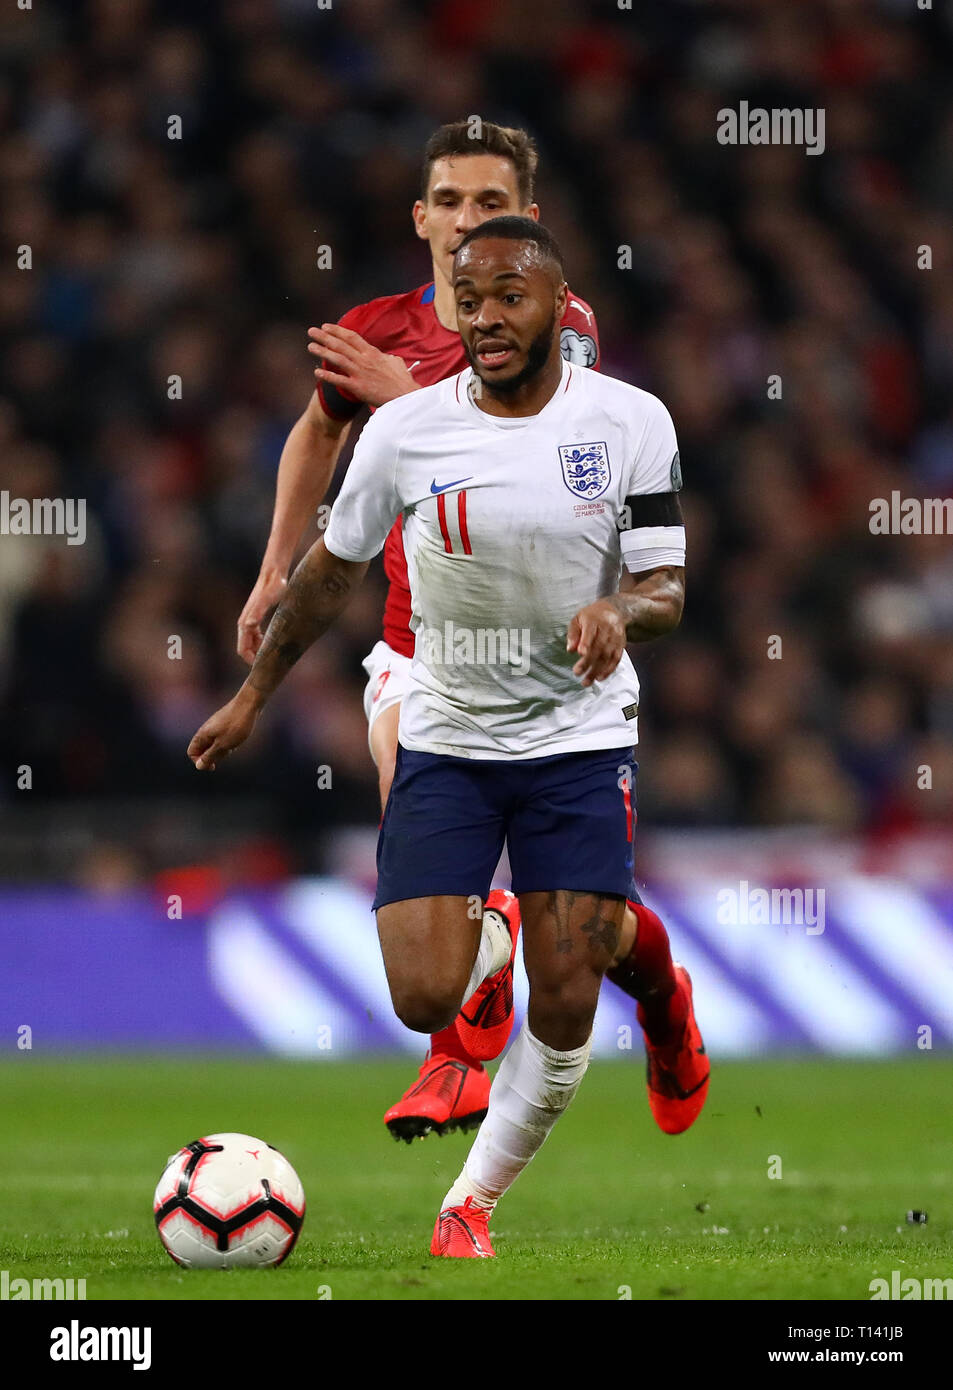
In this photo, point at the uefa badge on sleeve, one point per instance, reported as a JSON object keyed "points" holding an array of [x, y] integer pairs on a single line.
{"points": [[585, 468], [578, 348]]}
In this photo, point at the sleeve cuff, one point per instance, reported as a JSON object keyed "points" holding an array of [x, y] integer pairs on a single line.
{"points": [[650, 547]]}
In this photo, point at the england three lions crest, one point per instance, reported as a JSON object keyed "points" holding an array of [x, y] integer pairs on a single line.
{"points": [[586, 469]]}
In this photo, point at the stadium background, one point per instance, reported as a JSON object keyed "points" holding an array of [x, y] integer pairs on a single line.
{"points": [[198, 257]]}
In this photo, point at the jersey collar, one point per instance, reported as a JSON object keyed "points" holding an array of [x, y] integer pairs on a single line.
{"points": [[464, 397]]}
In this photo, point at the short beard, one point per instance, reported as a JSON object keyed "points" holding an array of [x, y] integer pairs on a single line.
{"points": [[536, 359]]}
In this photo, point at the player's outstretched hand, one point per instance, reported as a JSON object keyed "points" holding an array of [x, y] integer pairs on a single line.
{"points": [[269, 590], [365, 372], [227, 730], [597, 633]]}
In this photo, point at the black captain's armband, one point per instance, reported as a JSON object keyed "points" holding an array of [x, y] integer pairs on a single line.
{"points": [[650, 509]]}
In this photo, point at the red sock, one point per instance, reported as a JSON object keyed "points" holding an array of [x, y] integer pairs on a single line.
{"points": [[648, 975], [448, 1044]]}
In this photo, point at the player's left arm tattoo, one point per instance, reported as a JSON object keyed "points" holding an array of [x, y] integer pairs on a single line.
{"points": [[651, 603], [648, 606]]}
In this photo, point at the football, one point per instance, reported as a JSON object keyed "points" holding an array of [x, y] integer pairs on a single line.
{"points": [[227, 1201]]}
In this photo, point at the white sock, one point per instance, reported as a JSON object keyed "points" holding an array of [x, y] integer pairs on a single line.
{"points": [[496, 946], [532, 1088]]}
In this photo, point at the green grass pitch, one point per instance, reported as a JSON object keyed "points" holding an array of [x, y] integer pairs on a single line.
{"points": [[610, 1204]]}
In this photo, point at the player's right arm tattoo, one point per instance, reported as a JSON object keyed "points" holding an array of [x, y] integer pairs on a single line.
{"points": [[317, 592]]}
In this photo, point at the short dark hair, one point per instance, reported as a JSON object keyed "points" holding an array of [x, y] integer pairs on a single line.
{"points": [[460, 138], [517, 229]]}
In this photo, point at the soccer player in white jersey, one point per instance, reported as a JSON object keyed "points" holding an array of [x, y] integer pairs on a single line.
{"points": [[525, 484], [378, 352]]}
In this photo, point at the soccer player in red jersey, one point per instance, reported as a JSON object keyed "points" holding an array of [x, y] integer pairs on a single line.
{"points": [[377, 352]]}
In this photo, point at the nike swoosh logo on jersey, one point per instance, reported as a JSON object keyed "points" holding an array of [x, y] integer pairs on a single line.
{"points": [[443, 486]]}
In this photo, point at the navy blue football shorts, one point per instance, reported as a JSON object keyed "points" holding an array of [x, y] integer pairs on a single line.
{"points": [[567, 820]]}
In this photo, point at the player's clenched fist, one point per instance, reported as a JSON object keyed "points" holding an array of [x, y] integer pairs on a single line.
{"points": [[597, 633], [227, 730]]}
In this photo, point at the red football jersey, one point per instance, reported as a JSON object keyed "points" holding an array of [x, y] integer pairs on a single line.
{"points": [[407, 326]]}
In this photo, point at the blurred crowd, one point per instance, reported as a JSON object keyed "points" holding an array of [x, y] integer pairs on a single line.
{"points": [[196, 257]]}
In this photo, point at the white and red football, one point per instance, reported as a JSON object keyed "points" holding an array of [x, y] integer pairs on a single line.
{"points": [[226, 1201]]}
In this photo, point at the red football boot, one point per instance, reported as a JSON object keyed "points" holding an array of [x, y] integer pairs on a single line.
{"points": [[462, 1233], [485, 1022], [677, 1072], [448, 1095]]}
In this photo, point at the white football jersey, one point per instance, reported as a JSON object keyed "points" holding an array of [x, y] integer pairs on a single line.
{"points": [[510, 527]]}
